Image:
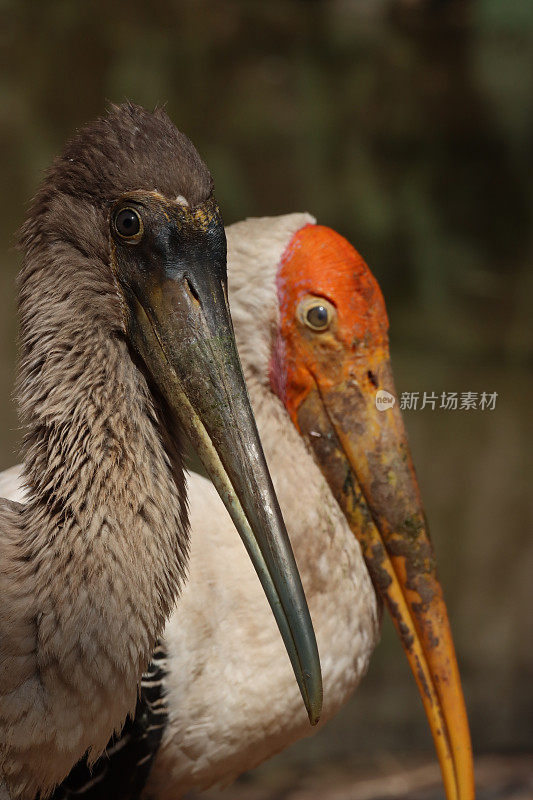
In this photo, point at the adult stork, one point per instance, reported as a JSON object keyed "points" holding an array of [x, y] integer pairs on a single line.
{"points": [[311, 328], [312, 332], [126, 340]]}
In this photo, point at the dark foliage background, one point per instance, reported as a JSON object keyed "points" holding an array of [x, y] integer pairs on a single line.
{"points": [[408, 126]]}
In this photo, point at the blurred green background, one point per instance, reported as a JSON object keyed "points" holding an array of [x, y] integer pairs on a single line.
{"points": [[408, 127]]}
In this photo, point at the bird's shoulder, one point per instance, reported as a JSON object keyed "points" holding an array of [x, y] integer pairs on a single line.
{"points": [[18, 632]]}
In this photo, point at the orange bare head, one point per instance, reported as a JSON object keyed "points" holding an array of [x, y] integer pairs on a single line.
{"points": [[321, 265]]}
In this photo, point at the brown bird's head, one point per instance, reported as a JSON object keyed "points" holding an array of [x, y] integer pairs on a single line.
{"points": [[125, 240]]}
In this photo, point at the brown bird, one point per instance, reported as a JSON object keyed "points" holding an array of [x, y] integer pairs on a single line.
{"points": [[311, 328], [126, 341]]}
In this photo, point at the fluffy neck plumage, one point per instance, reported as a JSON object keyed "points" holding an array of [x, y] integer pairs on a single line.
{"points": [[99, 550], [104, 520]]}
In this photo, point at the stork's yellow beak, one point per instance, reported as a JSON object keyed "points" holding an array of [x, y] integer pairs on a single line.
{"points": [[362, 450]]}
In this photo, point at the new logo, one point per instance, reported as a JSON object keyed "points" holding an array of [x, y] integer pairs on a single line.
{"points": [[384, 400]]}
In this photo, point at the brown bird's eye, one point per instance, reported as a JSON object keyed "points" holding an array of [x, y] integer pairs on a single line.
{"points": [[128, 224]]}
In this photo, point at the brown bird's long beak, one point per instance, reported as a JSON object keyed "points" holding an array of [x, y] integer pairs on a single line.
{"points": [[365, 457], [173, 278]]}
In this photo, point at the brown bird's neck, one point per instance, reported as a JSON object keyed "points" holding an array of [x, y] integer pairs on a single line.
{"points": [[105, 517], [103, 535]]}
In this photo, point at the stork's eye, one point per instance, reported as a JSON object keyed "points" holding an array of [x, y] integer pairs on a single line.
{"points": [[316, 313], [317, 317], [128, 224]]}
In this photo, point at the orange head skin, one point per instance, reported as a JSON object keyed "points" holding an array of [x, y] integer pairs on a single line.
{"points": [[320, 263]]}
